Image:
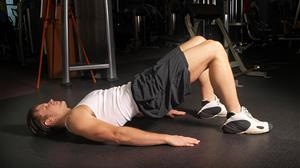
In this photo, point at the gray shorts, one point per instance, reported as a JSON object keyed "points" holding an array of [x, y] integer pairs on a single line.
{"points": [[163, 86]]}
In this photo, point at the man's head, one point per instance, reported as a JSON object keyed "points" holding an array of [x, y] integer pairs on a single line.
{"points": [[47, 118]]}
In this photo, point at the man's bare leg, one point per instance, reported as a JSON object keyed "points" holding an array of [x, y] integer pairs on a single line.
{"points": [[210, 105], [206, 89], [211, 55]]}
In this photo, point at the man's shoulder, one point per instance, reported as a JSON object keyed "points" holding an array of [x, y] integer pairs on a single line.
{"points": [[78, 116], [81, 110]]}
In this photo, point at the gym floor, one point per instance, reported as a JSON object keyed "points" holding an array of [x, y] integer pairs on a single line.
{"points": [[275, 99]]}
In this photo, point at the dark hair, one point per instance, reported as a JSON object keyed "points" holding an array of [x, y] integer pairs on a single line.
{"points": [[36, 127]]}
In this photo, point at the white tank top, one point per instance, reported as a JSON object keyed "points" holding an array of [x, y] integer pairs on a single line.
{"points": [[115, 105]]}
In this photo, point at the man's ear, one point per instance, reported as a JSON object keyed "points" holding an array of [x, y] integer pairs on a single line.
{"points": [[49, 121]]}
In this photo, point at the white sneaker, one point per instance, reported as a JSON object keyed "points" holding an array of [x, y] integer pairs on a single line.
{"points": [[244, 123], [212, 109]]}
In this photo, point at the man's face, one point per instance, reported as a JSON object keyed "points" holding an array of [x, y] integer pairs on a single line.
{"points": [[51, 108]]}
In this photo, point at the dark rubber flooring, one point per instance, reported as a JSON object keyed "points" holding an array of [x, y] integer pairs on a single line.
{"points": [[276, 99]]}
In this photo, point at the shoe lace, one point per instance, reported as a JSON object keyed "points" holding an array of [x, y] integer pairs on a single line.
{"points": [[245, 110]]}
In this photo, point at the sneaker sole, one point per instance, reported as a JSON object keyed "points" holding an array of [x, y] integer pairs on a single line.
{"points": [[241, 127], [236, 127], [210, 113]]}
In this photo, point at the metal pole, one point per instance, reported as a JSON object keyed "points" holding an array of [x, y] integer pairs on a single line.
{"points": [[41, 11], [20, 33], [29, 30], [65, 44], [112, 75], [296, 15], [235, 10], [242, 11], [78, 45], [226, 25]]}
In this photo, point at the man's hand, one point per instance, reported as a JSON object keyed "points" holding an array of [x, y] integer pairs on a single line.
{"points": [[173, 113], [177, 140]]}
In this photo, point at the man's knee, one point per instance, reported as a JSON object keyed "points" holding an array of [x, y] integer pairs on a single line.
{"points": [[215, 44], [199, 39], [217, 47]]}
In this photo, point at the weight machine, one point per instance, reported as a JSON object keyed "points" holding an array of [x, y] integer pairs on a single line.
{"points": [[215, 11]]}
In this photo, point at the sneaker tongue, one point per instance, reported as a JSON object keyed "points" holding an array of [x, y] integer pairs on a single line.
{"points": [[204, 102], [229, 114]]}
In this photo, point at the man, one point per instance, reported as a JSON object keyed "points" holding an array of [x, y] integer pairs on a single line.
{"points": [[102, 114]]}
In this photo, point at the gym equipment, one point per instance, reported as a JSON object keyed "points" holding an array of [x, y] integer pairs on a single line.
{"points": [[49, 6], [138, 23], [23, 27], [174, 33], [214, 10], [45, 25], [257, 30], [67, 14], [110, 44]]}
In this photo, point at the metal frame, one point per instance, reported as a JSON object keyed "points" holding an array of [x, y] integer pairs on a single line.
{"points": [[112, 75], [238, 62]]}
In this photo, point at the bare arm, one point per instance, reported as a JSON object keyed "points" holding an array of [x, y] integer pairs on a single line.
{"points": [[82, 123], [137, 137], [172, 113]]}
